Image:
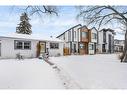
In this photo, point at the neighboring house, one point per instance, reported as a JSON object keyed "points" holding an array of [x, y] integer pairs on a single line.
{"points": [[79, 40], [118, 45], [84, 39], [88, 40], [93, 41], [106, 41], [71, 40], [29, 46]]}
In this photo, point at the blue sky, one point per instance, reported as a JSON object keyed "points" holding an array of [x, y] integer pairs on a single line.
{"points": [[47, 25]]}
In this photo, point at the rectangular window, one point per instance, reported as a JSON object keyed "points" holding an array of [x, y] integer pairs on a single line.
{"points": [[82, 46], [54, 45], [27, 45], [64, 36], [104, 37], [69, 35], [74, 34], [22, 44], [84, 34], [94, 36], [91, 47], [18, 45]]}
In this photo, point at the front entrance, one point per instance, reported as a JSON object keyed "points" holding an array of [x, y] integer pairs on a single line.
{"points": [[66, 51], [74, 48], [103, 48], [42, 47], [109, 46], [0, 49], [83, 48]]}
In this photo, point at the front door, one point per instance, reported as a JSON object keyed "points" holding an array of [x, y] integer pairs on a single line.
{"points": [[83, 48], [103, 48], [95, 48], [86, 48], [109, 46], [42, 47], [74, 48], [0, 49]]}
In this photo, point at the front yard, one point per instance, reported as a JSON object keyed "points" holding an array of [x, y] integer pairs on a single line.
{"points": [[28, 73], [94, 71], [72, 72]]}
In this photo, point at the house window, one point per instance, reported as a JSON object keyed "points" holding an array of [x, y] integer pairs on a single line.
{"points": [[74, 34], [91, 46], [54, 45], [94, 36], [69, 35], [27, 45], [104, 37], [22, 44], [84, 34], [18, 45], [82, 46], [64, 36]]}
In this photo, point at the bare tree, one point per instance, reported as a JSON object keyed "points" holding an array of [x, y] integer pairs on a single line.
{"points": [[40, 10], [101, 15]]}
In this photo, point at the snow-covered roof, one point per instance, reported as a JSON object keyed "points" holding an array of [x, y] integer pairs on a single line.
{"points": [[31, 37]]}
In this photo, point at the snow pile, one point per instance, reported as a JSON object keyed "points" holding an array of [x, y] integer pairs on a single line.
{"points": [[28, 73], [94, 71]]}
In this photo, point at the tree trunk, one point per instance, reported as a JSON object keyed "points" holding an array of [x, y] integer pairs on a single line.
{"points": [[125, 48]]}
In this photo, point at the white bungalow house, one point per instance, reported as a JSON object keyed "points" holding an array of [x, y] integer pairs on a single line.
{"points": [[29, 46], [106, 41]]}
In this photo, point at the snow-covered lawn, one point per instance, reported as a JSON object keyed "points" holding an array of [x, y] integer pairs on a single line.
{"points": [[94, 71], [28, 73]]}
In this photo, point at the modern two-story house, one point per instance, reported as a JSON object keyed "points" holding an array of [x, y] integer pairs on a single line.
{"points": [[79, 40], [106, 41], [71, 40]]}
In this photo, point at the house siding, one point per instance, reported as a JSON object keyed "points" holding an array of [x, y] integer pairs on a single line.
{"points": [[8, 51]]}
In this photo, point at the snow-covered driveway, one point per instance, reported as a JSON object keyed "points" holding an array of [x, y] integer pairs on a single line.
{"points": [[28, 73], [94, 71]]}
